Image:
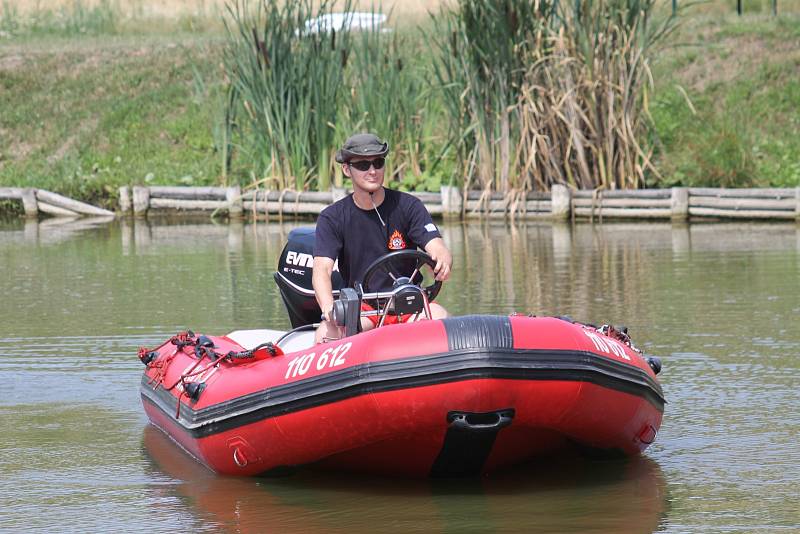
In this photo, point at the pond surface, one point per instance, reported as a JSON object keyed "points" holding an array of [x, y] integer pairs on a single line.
{"points": [[720, 303]]}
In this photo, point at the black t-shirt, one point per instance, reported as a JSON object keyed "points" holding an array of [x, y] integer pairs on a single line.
{"points": [[356, 237]]}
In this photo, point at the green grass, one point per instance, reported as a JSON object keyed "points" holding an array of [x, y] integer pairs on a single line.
{"points": [[83, 118], [139, 102], [740, 74]]}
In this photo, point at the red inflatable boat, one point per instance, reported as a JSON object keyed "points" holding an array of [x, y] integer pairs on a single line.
{"points": [[455, 397]]}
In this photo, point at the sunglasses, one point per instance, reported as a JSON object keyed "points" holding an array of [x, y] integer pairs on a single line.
{"points": [[364, 165]]}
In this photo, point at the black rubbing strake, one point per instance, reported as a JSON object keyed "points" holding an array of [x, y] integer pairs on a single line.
{"points": [[466, 364], [479, 332]]}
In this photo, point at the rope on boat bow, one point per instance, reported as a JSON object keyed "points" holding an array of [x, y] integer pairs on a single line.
{"points": [[620, 333], [203, 348]]}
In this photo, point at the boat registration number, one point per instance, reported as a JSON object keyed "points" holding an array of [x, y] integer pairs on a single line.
{"points": [[328, 359]]}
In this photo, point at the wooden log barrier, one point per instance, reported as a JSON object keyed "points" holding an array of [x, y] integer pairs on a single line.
{"points": [[604, 203], [624, 213], [757, 203], [188, 193], [36, 201], [774, 192], [623, 204], [63, 203], [178, 204], [678, 204]]}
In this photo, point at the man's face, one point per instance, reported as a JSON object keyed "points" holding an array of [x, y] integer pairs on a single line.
{"points": [[369, 180]]}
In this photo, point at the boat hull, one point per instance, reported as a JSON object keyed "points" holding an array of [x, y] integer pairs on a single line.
{"points": [[459, 397]]}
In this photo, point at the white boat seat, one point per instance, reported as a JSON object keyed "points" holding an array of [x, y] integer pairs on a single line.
{"points": [[249, 339]]}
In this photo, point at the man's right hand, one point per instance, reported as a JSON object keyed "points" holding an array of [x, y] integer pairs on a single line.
{"points": [[323, 287]]}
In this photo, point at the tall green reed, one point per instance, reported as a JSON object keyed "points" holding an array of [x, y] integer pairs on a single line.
{"points": [[285, 85], [295, 95], [388, 94], [483, 47]]}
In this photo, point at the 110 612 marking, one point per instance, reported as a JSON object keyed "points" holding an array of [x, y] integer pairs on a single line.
{"points": [[330, 358]]}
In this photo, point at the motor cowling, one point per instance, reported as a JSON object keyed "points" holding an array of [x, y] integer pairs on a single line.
{"points": [[294, 278]]}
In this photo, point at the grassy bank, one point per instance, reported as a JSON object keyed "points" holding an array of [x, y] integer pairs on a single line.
{"points": [[727, 107], [109, 98], [85, 116]]}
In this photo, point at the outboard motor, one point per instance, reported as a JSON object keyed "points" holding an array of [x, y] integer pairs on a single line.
{"points": [[294, 278]]}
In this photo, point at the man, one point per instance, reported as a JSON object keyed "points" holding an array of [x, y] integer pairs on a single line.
{"points": [[368, 224]]}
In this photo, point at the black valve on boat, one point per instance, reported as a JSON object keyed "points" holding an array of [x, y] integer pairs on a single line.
{"points": [[655, 363], [205, 347], [194, 389], [205, 341], [148, 357]]}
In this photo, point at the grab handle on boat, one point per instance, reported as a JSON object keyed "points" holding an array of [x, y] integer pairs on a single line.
{"points": [[480, 422]]}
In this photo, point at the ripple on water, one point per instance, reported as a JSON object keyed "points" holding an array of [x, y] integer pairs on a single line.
{"points": [[719, 304]]}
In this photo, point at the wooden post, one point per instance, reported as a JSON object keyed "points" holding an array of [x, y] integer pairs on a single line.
{"points": [[797, 204], [338, 193], [29, 203], [452, 201], [739, 7], [560, 202], [680, 204], [125, 199], [233, 195], [141, 200]]}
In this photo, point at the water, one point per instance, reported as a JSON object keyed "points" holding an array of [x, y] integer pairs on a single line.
{"points": [[719, 302]]}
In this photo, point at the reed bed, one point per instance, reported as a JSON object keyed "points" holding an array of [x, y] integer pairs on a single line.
{"points": [[285, 85], [540, 92], [584, 100], [529, 93], [297, 91], [483, 48], [505, 96]]}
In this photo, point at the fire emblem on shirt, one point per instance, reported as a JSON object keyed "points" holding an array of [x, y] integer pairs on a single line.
{"points": [[396, 241]]}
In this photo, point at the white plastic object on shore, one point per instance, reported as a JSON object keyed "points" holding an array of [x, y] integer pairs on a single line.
{"points": [[350, 21]]}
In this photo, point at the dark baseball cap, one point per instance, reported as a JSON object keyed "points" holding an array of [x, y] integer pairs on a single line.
{"points": [[360, 146]]}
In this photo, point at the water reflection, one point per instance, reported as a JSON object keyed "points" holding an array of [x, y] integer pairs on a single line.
{"points": [[719, 302], [556, 496]]}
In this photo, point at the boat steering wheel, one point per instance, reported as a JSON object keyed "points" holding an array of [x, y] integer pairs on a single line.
{"points": [[392, 263]]}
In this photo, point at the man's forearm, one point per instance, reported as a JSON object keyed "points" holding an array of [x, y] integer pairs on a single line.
{"points": [[323, 288]]}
